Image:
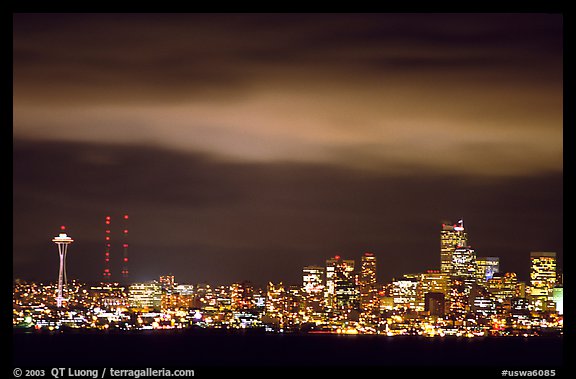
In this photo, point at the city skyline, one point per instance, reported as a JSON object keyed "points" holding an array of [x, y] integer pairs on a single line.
{"points": [[249, 146], [339, 297]]}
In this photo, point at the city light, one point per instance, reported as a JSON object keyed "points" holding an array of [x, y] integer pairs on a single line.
{"points": [[467, 297]]}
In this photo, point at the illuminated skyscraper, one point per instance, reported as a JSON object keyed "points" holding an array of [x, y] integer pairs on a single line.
{"points": [[367, 284], [312, 279], [451, 237], [276, 303], [462, 279], [486, 267], [341, 289], [293, 305], [542, 277], [62, 241], [464, 264], [339, 281], [313, 291]]}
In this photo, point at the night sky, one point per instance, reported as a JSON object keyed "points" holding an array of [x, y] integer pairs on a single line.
{"points": [[246, 146]]}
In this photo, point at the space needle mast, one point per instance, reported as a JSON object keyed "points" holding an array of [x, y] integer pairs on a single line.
{"points": [[62, 241]]}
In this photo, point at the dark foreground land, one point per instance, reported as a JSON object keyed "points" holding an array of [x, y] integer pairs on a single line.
{"points": [[166, 348]]}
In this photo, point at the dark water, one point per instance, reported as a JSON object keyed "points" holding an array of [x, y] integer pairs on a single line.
{"points": [[218, 349]]}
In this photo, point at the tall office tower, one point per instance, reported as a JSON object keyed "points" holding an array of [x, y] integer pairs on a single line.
{"points": [[312, 279], [464, 264], [276, 302], [145, 295], [313, 291], [62, 241], [542, 277], [345, 288], [451, 237], [167, 282], [339, 281], [486, 267], [367, 284], [462, 279], [293, 305]]}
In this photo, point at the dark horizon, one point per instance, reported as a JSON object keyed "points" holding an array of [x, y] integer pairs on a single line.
{"points": [[246, 146]]}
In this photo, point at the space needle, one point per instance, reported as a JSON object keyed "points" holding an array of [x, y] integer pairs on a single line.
{"points": [[62, 241]]}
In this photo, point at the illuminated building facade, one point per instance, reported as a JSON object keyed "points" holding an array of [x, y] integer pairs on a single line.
{"points": [[464, 263], [184, 289], [520, 290], [259, 299], [313, 279], [367, 284], [145, 295], [276, 303], [340, 284], [293, 305], [345, 288], [451, 237], [503, 286], [486, 267], [174, 301], [542, 277], [463, 269], [109, 296], [431, 281], [313, 291], [484, 306], [458, 297], [404, 293], [242, 296], [204, 296]]}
